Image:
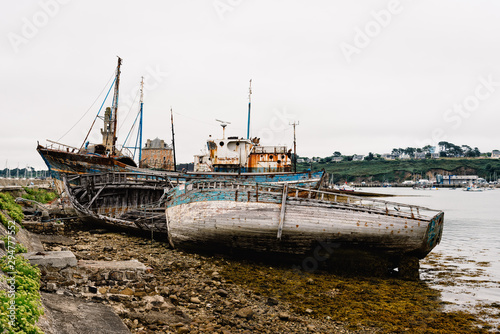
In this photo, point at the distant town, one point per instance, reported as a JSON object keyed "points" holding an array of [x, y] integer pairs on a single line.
{"points": [[443, 150]]}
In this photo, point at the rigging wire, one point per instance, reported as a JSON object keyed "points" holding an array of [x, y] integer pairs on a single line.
{"points": [[128, 112], [96, 116], [97, 98]]}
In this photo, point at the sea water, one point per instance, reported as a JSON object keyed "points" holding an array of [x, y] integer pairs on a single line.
{"points": [[465, 266]]}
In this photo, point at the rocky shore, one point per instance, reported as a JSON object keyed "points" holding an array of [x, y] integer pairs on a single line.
{"points": [[176, 292]]}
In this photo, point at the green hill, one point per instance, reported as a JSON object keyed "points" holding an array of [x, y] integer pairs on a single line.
{"points": [[400, 170]]}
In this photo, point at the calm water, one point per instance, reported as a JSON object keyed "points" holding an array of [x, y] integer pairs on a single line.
{"points": [[465, 266]]}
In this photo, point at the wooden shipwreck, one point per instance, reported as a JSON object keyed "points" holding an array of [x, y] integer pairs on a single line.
{"points": [[286, 219], [127, 200]]}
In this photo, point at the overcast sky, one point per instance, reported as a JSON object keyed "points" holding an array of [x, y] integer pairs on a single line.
{"points": [[359, 76]]}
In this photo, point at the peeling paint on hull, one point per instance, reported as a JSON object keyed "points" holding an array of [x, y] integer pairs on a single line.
{"points": [[235, 218]]}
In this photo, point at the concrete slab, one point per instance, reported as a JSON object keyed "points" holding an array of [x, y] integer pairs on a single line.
{"points": [[113, 265], [61, 259], [71, 315]]}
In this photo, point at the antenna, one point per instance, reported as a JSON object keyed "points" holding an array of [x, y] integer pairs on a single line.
{"points": [[223, 124]]}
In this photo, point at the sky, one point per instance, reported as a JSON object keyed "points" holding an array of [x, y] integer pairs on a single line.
{"points": [[357, 76]]}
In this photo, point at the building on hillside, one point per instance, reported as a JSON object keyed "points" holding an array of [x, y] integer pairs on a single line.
{"points": [[157, 154], [388, 156], [459, 179], [358, 157], [435, 155], [419, 155], [404, 156], [495, 154], [337, 159]]}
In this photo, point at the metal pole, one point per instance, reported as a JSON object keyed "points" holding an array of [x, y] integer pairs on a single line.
{"points": [[294, 147], [140, 121], [249, 106], [115, 104], [173, 137]]}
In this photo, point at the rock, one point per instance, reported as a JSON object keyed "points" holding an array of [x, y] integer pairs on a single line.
{"points": [[108, 248], [222, 293], [195, 300], [53, 259], [102, 290], [127, 292], [245, 312], [310, 281], [182, 330], [92, 289], [271, 301], [283, 316], [311, 328], [51, 287], [308, 310], [155, 300]]}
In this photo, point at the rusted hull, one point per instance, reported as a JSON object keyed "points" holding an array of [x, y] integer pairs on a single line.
{"points": [[259, 220], [67, 163]]}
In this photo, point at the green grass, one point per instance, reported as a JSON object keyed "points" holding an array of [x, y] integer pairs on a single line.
{"points": [[8, 203], [40, 195]]}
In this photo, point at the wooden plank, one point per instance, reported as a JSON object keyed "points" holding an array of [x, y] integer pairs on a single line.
{"points": [[282, 213]]}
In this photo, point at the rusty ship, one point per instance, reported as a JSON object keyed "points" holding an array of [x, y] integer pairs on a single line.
{"points": [[63, 159]]}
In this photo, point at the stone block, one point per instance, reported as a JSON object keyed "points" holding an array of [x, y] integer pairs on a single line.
{"points": [[60, 259]]}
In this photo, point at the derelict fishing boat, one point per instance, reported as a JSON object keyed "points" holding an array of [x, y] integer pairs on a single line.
{"points": [[126, 200], [285, 219], [90, 158]]}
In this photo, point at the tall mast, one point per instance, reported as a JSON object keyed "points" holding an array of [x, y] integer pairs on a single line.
{"points": [[114, 115], [173, 137], [294, 148], [140, 121], [249, 106]]}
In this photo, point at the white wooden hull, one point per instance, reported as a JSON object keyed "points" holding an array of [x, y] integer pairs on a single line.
{"points": [[254, 226]]}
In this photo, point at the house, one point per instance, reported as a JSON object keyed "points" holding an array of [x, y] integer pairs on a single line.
{"points": [[495, 154], [301, 160], [156, 154], [460, 179], [388, 156], [337, 159], [419, 155], [434, 155], [357, 157], [404, 156]]}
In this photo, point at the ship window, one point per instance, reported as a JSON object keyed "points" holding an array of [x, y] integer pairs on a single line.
{"points": [[237, 143], [271, 157], [279, 161], [221, 143], [282, 157]]}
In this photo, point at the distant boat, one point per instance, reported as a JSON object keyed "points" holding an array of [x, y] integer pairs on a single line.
{"points": [[285, 219], [473, 188]]}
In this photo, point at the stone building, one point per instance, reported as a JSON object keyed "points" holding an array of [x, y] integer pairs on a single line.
{"points": [[156, 154]]}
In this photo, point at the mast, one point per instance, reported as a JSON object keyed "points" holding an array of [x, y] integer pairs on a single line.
{"points": [[249, 106], [173, 137], [140, 120], [294, 148], [114, 115]]}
